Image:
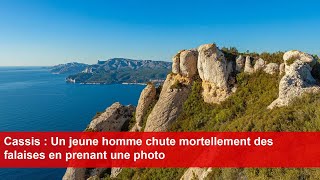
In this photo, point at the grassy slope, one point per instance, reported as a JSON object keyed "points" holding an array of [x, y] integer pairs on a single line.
{"points": [[245, 110]]}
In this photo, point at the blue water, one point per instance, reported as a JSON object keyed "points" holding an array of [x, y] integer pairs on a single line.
{"points": [[32, 99]]}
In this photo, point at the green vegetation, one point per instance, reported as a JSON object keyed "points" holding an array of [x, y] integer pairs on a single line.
{"points": [[245, 110], [276, 57], [176, 85], [291, 60]]}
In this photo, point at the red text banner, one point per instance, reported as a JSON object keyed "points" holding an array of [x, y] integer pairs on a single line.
{"points": [[159, 149]]}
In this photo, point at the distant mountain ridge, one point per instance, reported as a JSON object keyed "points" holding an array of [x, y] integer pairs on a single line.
{"points": [[68, 68], [115, 70]]}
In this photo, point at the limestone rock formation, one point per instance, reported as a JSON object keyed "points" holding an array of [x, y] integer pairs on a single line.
{"points": [[147, 97], [297, 79], [214, 71], [240, 63], [294, 55], [260, 64], [214, 94], [248, 65], [212, 65], [176, 63], [272, 68], [174, 92], [196, 173], [113, 118], [188, 63]]}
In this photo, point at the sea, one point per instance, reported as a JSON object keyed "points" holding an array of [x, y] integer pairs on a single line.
{"points": [[33, 99]]}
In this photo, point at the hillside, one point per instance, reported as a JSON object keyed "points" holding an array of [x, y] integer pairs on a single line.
{"points": [[119, 70], [213, 89], [68, 68]]}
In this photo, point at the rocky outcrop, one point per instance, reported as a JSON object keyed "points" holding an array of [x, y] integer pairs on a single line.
{"points": [[196, 173], [297, 79], [176, 63], [260, 64], [174, 92], [298, 55], [214, 72], [188, 63], [248, 65], [112, 119], [240, 63], [272, 68], [147, 96], [212, 65]]}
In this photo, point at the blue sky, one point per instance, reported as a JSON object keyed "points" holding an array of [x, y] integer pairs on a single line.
{"points": [[48, 32]]}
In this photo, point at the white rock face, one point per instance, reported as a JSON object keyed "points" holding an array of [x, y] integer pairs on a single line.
{"points": [[240, 63], [147, 97], [304, 57], [296, 81], [272, 68], [196, 173], [212, 65], [282, 69], [176, 63], [188, 63], [260, 64], [248, 65], [169, 105], [113, 118]]}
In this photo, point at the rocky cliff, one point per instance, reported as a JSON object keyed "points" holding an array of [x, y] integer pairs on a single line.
{"points": [[112, 119], [221, 75]]}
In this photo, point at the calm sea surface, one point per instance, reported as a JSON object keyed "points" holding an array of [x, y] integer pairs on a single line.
{"points": [[32, 99]]}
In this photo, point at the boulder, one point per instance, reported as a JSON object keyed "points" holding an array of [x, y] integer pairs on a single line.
{"points": [[147, 96], [248, 65], [212, 65], [240, 63], [175, 91], [260, 64], [272, 68], [188, 63], [296, 81]]}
